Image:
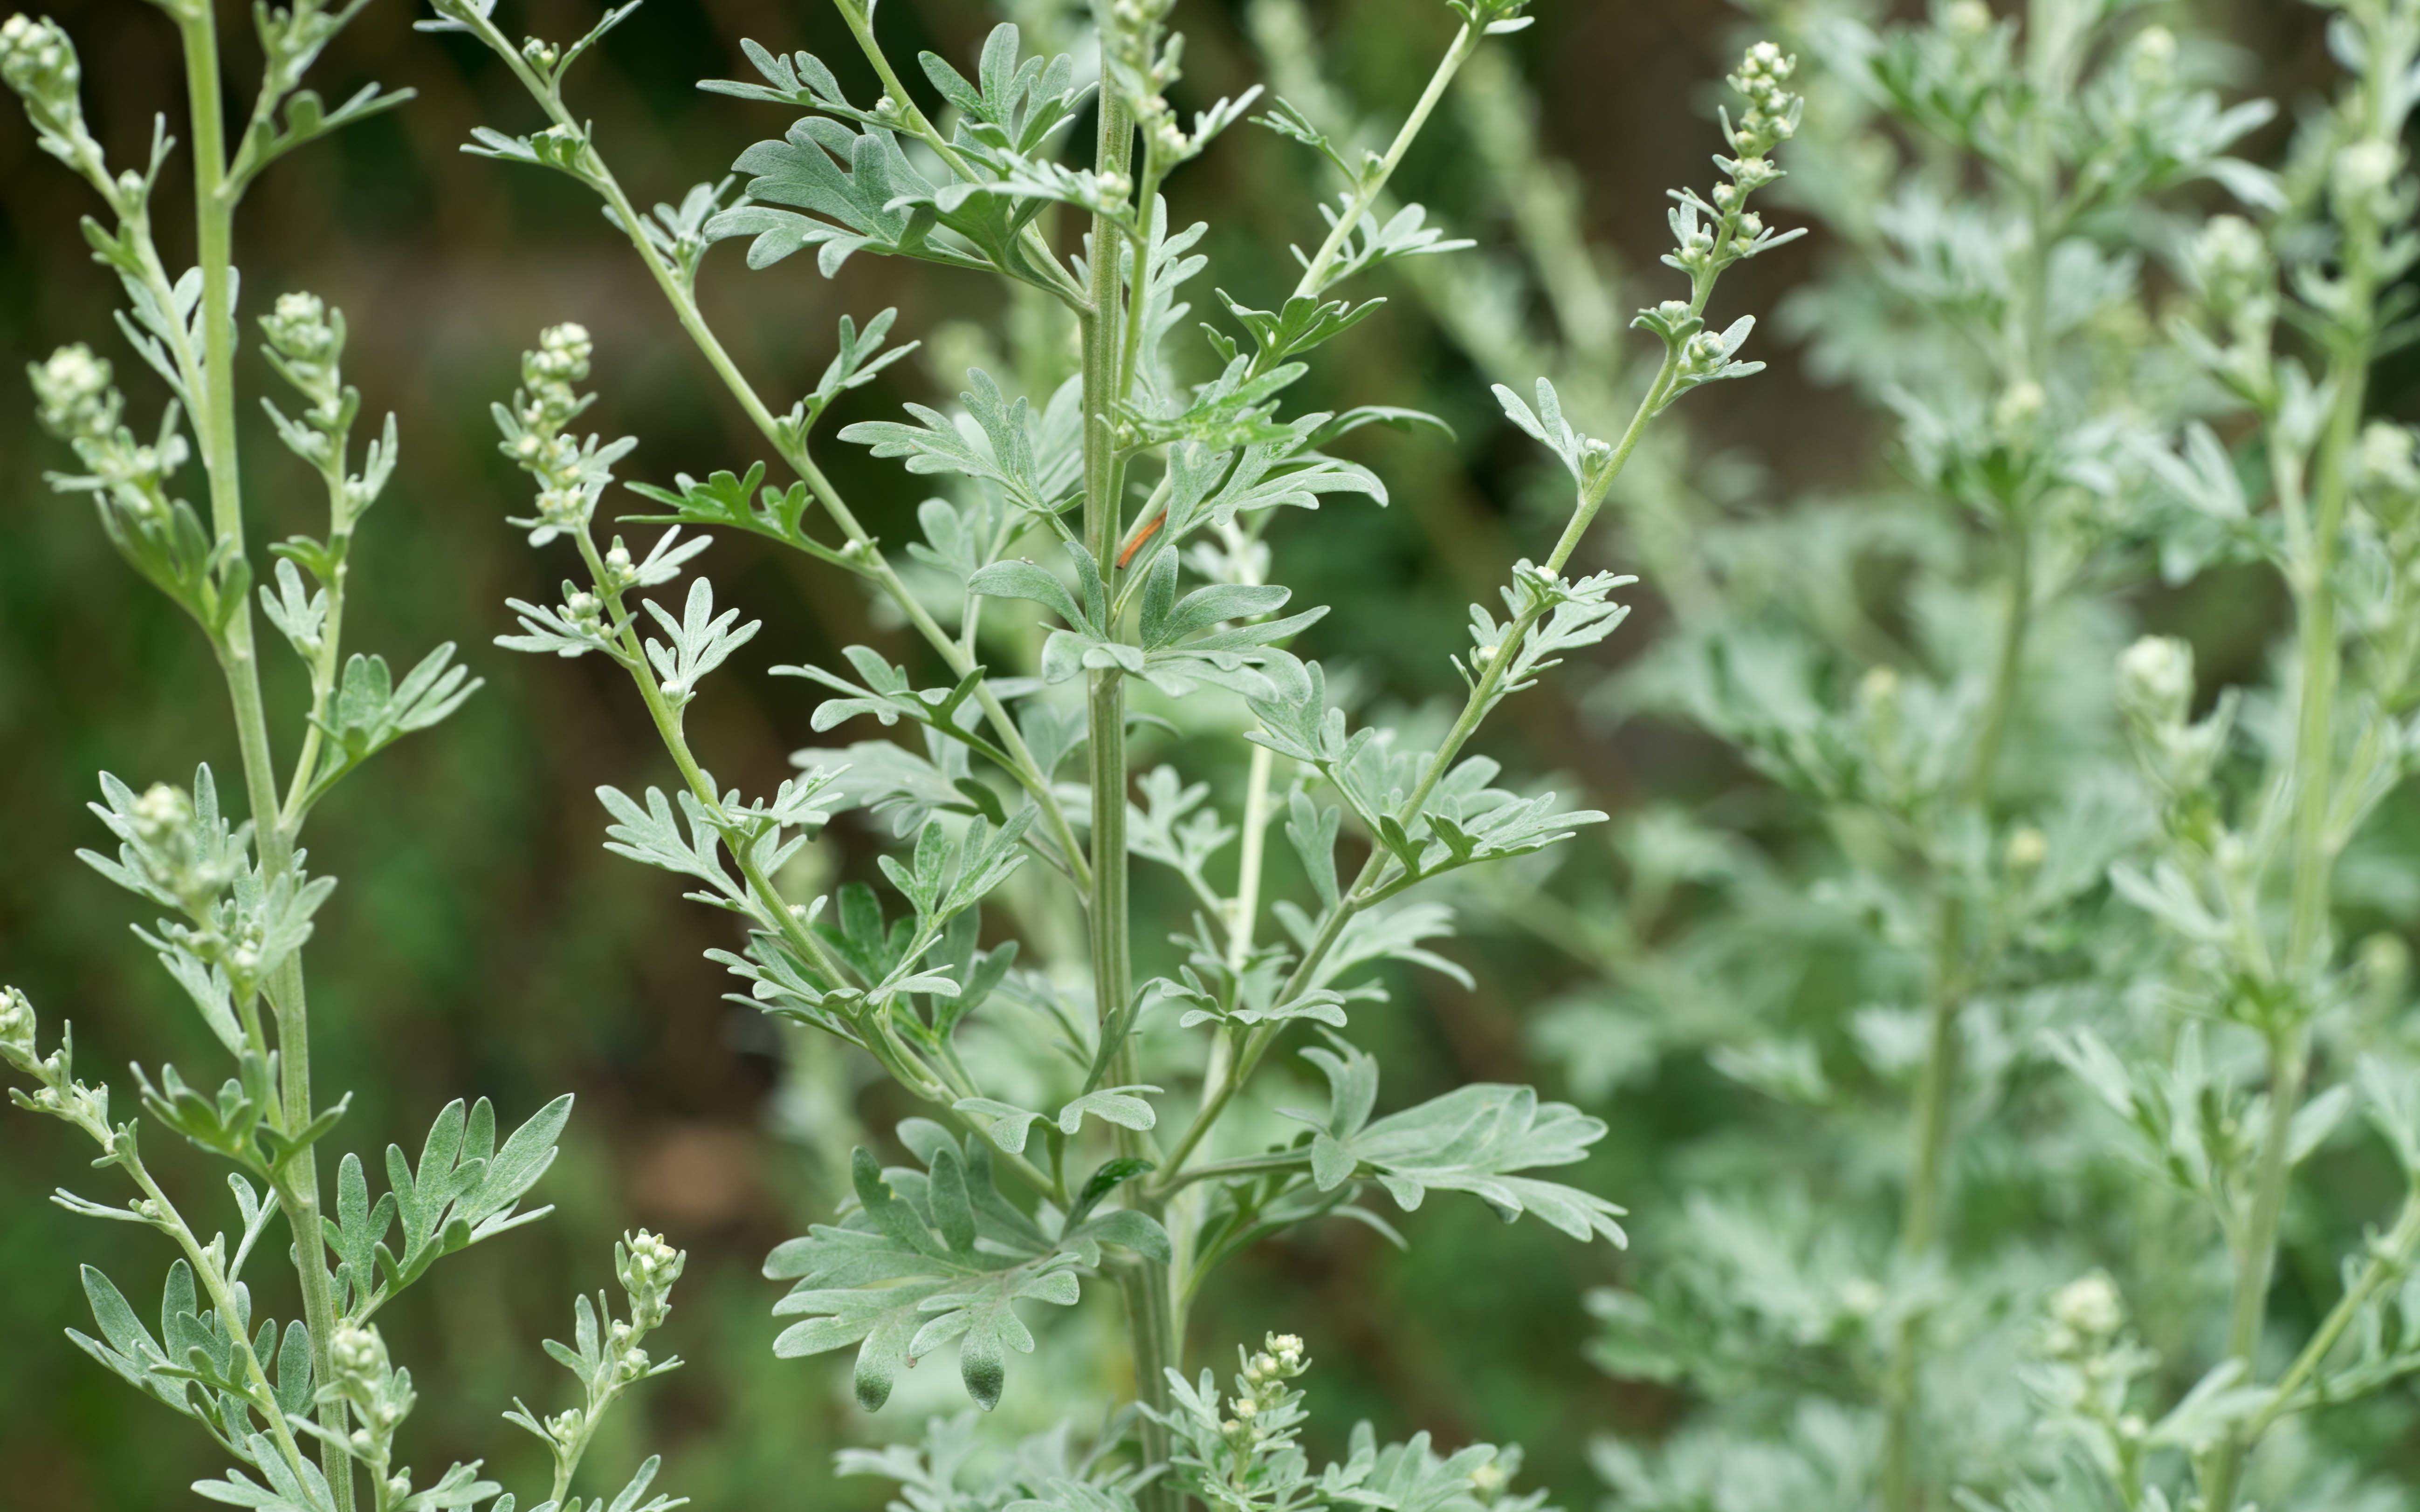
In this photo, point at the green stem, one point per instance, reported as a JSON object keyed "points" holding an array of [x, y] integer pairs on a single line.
{"points": [[324, 666], [1145, 1284], [1220, 1170], [213, 1278], [1373, 181], [1485, 692], [2314, 855], [677, 292], [2388, 1261], [1243, 923], [215, 428]]}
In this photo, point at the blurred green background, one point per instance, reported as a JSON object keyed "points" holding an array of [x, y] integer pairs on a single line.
{"points": [[482, 943]]}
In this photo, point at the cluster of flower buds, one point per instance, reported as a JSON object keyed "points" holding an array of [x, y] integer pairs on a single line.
{"points": [[1712, 232], [39, 63], [1142, 68], [550, 373], [357, 1356], [172, 852], [647, 1265], [2155, 682], [546, 404], [2236, 271], [2233, 265], [304, 331], [380, 1397], [74, 398], [2365, 183], [1261, 1389], [1772, 112], [75, 401], [2087, 1314], [307, 339], [17, 1029], [60, 1093], [2155, 692]]}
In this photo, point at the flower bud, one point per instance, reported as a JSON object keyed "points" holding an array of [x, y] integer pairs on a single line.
{"points": [[2361, 180], [2153, 57], [1968, 18], [299, 330], [2090, 1308], [17, 1028], [38, 62], [2155, 682], [73, 395], [2232, 263]]}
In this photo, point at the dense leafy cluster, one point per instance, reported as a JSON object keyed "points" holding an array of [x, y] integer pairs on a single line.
{"points": [[1094, 582], [2032, 943]]}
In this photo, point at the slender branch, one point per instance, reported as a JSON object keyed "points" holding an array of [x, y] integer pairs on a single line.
{"points": [[1220, 1170], [1485, 693], [2389, 1258], [2312, 771], [1373, 180], [677, 292]]}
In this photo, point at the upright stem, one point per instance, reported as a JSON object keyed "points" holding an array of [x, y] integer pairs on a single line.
{"points": [[2314, 760], [1937, 1082], [215, 426], [1150, 1303]]}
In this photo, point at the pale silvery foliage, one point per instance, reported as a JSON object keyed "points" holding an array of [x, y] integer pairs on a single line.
{"points": [[2041, 958], [310, 1413], [1096, 572]]}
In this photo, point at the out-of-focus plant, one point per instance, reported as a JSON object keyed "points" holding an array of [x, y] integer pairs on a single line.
{"points": [[1997, 874], [1146, 483], [309, 1413]]}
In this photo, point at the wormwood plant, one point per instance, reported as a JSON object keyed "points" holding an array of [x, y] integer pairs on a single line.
{"points": [[310, 1413], [2030, 875], [1130, 502]]}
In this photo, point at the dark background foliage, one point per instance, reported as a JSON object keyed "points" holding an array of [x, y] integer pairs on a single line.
{"points": [[483, 944]]}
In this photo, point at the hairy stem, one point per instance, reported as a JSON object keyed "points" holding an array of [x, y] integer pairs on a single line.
{"points": [[215, 426], [1144, 1285]]}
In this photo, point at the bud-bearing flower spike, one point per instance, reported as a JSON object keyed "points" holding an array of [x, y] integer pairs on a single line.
{"points": [[309, 1413]]}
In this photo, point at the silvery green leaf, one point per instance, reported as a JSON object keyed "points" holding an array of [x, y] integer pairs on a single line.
{"points": [[927, 1257], [370, 711], [700, 641], [999, 446], [1472, 1139]]}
